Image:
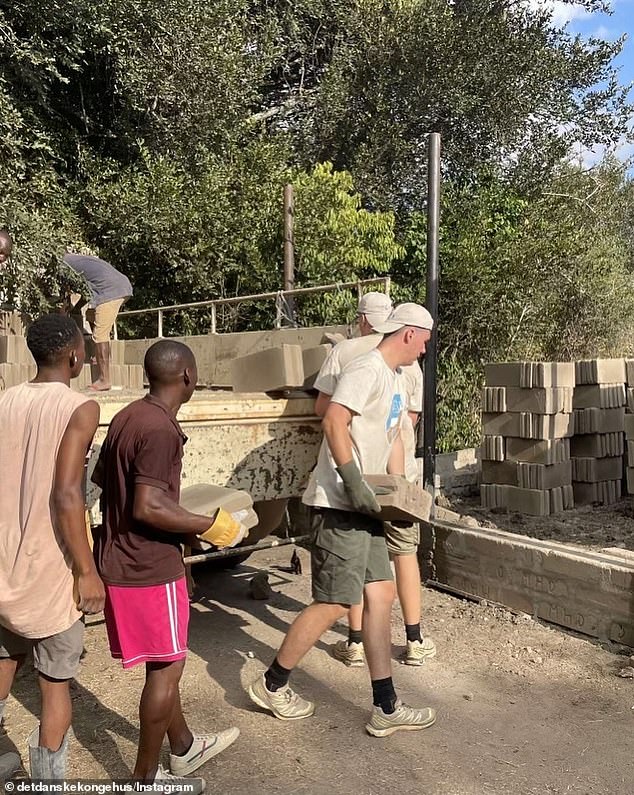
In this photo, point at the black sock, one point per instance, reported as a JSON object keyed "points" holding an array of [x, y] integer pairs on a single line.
{"points": [[355, 636], [383, 694], [413, 632], [277, 676]]}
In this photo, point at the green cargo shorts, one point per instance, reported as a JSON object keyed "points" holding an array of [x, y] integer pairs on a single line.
{"points": [[402, 538], [348, 551]]}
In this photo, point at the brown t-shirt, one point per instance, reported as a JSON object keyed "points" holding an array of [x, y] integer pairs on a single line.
{"points": [[144, 445]]}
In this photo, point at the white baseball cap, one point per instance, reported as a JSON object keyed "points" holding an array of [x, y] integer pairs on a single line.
{"points": [[406, 315], [376, 307]]}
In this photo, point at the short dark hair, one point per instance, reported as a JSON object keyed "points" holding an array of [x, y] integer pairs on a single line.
{"points": [[49, 336], [166, 359]]}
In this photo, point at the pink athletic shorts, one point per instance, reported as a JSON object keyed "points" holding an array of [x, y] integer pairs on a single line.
{"points": [[147, 623]]}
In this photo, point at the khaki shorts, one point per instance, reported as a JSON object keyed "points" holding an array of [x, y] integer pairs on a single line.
{"points": [[56, 656], [348, 552], [403, 539], [102, 319]]}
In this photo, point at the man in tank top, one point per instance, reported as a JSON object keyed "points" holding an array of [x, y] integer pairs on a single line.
{"points": [[47, 574]]}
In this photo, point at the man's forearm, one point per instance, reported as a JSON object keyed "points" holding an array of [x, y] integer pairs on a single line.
{"points": [[337, 433], [70, 512]]}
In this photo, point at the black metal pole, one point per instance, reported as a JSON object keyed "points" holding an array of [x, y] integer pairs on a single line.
{"points": [[431, 302]]}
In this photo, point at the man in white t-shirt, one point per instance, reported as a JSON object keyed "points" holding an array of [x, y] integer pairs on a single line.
{"points": [[402, 539], [349, 559]]}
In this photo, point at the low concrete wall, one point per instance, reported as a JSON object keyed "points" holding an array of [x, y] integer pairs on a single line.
{"points": [[458, 473], [588, 592]]}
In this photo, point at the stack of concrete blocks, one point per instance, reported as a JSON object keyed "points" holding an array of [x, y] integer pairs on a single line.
{"points": [[16, 362], [598, 444], [628, 454], [527, 423], [17, 365]]}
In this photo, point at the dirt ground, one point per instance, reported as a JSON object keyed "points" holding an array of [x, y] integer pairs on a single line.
{"points": [[522, 708], [587, 526]]}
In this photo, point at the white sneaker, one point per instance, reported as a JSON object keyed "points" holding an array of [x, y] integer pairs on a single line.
{"points": [[192, 786], [203, 748], [417, 652], [284, 703], [350, 654], [403, 718]]}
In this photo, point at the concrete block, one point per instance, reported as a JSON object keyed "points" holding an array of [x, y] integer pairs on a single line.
{"points": [[135, 376], [534, 502], [629, 372], [604, 396], [629, 426], [597, 445], [599, 420], [492, 448], [527, 425], [547, 451], [500, 472], [117, 351], [630, 453], [13, 323], [313, 358], [629, 474], [539, 400], [543, 476], [530, 374], [629, 400], [7, 375], [600, 371], [405, 501], [492, 496], [13, 350], [205, 500], [593, 470], [494, 399], [605, 492], [269, 371]]}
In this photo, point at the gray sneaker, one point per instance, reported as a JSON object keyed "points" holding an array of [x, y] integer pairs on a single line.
{"points": [[284, 703], [403, 718]]}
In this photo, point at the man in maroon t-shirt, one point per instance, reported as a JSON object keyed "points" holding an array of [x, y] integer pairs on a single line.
{"points": [[138, 554]]}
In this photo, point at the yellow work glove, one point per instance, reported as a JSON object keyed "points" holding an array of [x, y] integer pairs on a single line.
{"points": [[225, 530]]}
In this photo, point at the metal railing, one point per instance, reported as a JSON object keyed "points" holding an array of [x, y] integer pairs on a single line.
{"points": [[279, 297]]}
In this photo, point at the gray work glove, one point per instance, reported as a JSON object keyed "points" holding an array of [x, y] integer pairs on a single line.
{"points": [[361, 495]]}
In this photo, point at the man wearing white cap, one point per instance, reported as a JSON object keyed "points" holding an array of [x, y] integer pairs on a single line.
{"points": [[402, 540], [349, 558]]}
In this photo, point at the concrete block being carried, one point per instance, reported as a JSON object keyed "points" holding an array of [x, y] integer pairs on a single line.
{"points": [[205, 499], [405, 501], [270, 370]]}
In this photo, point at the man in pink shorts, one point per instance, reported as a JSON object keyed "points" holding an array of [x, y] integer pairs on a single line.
{"points": [[138, 554]]}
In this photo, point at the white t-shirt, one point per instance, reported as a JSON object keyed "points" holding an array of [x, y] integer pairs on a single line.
{"points": [[346, 351], [376, 395]]}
